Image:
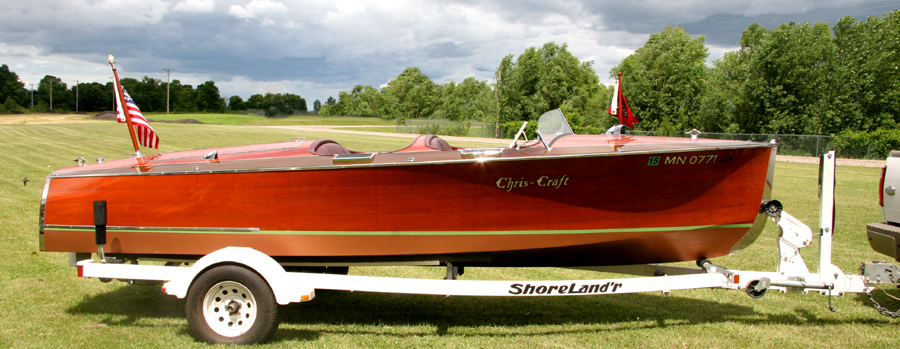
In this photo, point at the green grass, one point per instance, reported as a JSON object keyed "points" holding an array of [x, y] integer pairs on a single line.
{"points": [[257, 120], [44, 304]]}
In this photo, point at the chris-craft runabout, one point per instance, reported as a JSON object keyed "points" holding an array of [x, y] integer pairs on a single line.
{"points": [[562, 200]]}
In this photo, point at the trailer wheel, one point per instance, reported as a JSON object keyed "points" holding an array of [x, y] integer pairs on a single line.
{"points": [[231, 305], [754, 293]]}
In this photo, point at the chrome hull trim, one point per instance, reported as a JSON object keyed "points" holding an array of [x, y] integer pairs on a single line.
{"points": [[43, 206], [90, 227], [423, 163]]}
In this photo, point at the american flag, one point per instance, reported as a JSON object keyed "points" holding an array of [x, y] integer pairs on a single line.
{"points": [[145, 134]]}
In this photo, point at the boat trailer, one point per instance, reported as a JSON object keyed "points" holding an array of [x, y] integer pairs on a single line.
{"points": [[233, 293]]}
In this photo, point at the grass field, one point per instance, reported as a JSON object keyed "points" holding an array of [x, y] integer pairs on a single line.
{"points": [[44, 304]]}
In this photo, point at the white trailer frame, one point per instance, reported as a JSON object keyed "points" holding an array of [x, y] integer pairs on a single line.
{"points": [[791, 276]]}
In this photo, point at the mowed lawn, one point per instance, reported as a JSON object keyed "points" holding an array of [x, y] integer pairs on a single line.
{"points": [[44, 304]]}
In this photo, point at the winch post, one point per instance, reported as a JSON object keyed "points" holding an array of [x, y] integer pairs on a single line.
{"points": [[100, 227], [826, 215]]}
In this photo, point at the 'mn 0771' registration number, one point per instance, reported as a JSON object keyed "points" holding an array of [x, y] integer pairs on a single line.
{"points": [[688, 159]]}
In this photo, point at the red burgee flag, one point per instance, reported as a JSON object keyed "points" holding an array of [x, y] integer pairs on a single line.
{"points": [[625, 116], [145, 134]]}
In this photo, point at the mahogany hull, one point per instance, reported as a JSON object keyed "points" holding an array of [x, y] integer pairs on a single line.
{"points": [[577, 208]]}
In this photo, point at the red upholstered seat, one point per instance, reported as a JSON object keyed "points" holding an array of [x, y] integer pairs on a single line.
{"points": [[427, 142], [327, 147], [435, 142]]}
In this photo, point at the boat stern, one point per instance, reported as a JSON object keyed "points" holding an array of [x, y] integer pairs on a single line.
{"points": [[43, 208]]}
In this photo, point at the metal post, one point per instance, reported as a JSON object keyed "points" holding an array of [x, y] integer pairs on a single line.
{"points": [[168, 76], [100, 228], [826, 215], [817, 145], [32, 96], [76, 96]]}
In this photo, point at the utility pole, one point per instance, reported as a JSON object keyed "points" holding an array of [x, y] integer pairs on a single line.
{"points": [[168, 76], [51, 94], [32, 97], [76, 96]]}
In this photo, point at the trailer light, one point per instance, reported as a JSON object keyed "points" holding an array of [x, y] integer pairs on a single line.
{"points": [[304, 297], [80, 271], [881, 187], [737, 279], [163, 288]]}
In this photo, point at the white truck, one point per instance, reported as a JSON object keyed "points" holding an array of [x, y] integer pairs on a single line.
{"points": [[885, 236]]}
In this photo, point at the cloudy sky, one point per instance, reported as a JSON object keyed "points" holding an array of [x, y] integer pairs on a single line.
{"points": [[317, 48]]}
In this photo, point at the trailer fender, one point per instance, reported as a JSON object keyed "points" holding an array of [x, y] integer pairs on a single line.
{"points": [[286, 289]]}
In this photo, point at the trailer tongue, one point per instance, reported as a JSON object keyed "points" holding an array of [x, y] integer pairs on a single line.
{"points": [[233, 293]]}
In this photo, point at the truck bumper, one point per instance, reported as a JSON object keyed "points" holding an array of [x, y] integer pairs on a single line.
{"points": [[884, 239]]}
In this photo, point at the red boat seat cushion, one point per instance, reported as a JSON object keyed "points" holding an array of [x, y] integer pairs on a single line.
{"points": [[426, 143], [327, 147], [435, 142]]}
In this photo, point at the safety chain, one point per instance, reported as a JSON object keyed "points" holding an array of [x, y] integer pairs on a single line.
{"points": [[884, 311]]}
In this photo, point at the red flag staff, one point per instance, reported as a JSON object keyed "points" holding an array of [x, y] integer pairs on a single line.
{"points": [[622, 117], [121, 97], [618, 107]]}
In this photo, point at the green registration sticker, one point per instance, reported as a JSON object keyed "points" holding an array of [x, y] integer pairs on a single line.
{"points": [[654, 160]]}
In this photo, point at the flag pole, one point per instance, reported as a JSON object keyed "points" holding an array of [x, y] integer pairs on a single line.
{"points": [[121, 97], [621, 113]]}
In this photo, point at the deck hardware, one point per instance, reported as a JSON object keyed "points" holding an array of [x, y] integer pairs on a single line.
{"points": [[519, 134], [615, 130], [411, 160], [299, 139], [481, 153], [694, 133], [541, 137], [196, 168], [100, 228], [213, 155], [353, 158], [100, 160], [453, 271], [80, 161]]}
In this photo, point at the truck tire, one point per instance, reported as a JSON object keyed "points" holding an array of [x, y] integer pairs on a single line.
{"points": [[231, 305]]}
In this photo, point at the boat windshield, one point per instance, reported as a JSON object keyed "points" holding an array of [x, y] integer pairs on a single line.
{"points": [[553, 125]]}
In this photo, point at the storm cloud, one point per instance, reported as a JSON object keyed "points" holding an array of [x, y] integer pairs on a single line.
{"points": [[316, 49]]}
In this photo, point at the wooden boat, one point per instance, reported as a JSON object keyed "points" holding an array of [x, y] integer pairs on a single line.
{"points": [[561, 200]]}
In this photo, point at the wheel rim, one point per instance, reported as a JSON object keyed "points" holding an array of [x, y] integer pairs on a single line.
{"points": [[229, 309]]}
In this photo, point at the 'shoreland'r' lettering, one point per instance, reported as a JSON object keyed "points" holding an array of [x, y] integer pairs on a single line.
{"points": [[574, 288]]}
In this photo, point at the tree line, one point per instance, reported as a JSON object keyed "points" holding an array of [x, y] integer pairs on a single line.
{"points": [[51, 93], [793, 79], [524, 87]]}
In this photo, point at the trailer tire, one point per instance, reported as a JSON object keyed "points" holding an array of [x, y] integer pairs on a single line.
{"points": [[231, 304], [755, 294]]}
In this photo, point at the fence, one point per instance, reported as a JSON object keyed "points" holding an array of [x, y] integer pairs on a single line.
{"points": [[445, 127], [795, 145]]}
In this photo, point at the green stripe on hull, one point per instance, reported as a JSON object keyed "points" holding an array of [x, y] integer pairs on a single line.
{"points": [[420, 233]]}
